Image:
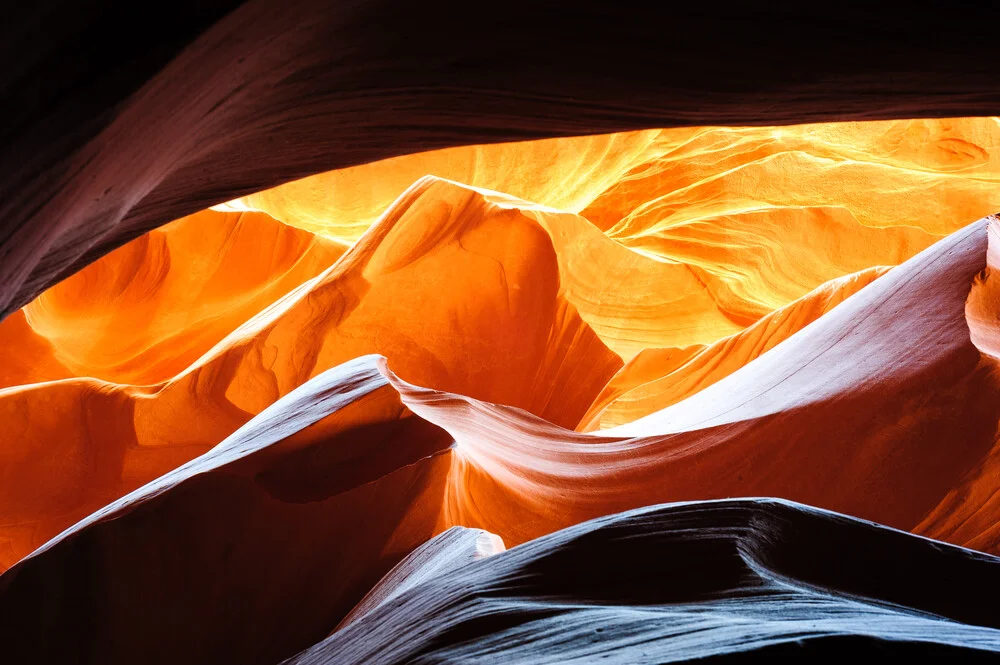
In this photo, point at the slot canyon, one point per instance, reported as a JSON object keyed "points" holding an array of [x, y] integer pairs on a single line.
{"points": [[388, 333]]}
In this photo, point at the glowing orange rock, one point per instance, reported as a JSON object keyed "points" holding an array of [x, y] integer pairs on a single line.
{"points": [[760, 216], [657, 378], [835, 416], [461, 292], [755, 366], [970, 514], [764, 215], [145, 312], [564, 173], [345, 475]]}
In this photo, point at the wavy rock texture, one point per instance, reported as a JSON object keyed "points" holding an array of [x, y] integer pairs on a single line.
{"points": [[741, 221], [765, 215], [296, 515], [566, 173], [659, 377], [969, 512], [299, 512], [832, 417], [220, 437], [494, 325], [738, 580], [147, 311]]}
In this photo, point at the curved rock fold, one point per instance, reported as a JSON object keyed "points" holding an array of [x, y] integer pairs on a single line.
{"points": [[725, 393]]}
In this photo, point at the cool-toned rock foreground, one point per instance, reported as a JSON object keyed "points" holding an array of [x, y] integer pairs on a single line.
{"points": [[740, 580], [262, 546]]}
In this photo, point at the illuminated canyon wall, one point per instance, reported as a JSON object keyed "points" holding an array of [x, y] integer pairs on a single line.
{"points": [[428, 408]]}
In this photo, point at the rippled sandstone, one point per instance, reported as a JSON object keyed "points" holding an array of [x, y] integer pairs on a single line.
{"points": [[240, 410]]}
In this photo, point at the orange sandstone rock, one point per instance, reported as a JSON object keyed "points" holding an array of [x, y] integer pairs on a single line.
{"points": [[462, 293]]}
